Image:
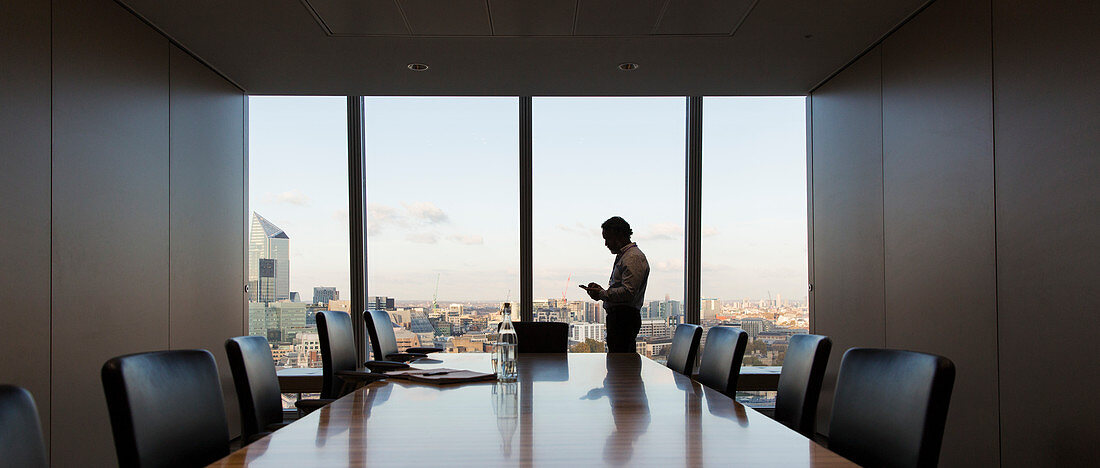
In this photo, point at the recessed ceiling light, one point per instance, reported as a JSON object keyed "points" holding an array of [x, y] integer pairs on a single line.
{"points": [[627, 66], [419, 67]]}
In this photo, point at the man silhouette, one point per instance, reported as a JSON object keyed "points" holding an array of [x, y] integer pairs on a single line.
{"points": [[623, 297]]}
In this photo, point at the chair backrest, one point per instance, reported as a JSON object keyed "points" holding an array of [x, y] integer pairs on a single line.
{"points": [[721, 362], [890, 406], [166, 408], [337, 350], [383, 342], [20, 433], [800, 382], [685, 343], [542, 337], [258, 392]]}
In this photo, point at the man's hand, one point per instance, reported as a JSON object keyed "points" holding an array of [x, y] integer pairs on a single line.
{"points": [[593, 290]]}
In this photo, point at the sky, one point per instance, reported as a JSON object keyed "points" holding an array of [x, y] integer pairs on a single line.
{"points": [[443, 193]]}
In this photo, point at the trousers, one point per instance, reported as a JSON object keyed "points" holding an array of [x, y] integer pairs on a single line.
{"points": [[623, 323]]}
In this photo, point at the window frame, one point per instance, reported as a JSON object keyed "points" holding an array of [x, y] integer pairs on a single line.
{"points": [[693, 160]]}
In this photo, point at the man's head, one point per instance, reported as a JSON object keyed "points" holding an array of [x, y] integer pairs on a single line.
{"points": [[616, 234]]}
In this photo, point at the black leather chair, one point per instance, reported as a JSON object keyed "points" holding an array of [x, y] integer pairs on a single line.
{"points": [[800, 382], [890, 406], [339, 364], [384, 342], [20, 433], [258, 393], [685, 345], [166, 408], [721, 362], [542, 337]]}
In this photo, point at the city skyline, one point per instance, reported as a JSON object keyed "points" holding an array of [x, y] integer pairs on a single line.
{"points": [[428, 217]]}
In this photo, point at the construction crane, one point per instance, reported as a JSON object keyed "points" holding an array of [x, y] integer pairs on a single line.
{"points": [[435, 295], [566, 288]]}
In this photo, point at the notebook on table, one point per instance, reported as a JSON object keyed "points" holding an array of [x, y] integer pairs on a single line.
{"points": [[441, 376]]}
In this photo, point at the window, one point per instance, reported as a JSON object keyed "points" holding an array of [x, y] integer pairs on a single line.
{"points": [[594, 158], [442, 216], [754, 252], [298, 253]]}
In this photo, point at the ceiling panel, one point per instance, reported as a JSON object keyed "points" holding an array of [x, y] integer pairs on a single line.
{"points": [[448, 17], [358, 17], [532, 18], [617, 17], [703, 16], [277, 47]]}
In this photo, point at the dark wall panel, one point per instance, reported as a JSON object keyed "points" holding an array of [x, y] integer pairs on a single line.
{"points": [[939, 220], [25, 199], [1048, 201], [110, 212], [847, 207], [207, 193]]}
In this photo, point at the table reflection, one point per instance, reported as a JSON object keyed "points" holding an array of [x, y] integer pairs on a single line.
{"points": [[625, 390], [506, 409]]}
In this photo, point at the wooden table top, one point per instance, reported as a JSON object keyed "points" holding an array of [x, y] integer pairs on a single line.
{"points": [[579, 409], [310, 379]]}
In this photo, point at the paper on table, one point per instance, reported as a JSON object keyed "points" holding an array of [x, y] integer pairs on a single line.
{"points": [[441, 375]]}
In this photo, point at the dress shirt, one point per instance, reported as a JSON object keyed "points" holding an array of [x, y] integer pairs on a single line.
{"points": [[629, 276]]}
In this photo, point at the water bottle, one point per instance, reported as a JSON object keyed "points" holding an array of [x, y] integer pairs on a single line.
{"points": [[506, 348]]}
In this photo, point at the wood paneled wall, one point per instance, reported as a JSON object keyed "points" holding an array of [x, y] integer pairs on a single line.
{"points": [[988, 191], [1047, 125], [25, 199], [124, 163], [846, 117]]}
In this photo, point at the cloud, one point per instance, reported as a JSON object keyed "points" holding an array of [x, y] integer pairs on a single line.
{"points": [[380, 217], [468, 239], [580, 228], [425, 211], [380, 212], [292, 197], [662, 231], [422, 238], [669, 265], [710, 231], [340, 216]]}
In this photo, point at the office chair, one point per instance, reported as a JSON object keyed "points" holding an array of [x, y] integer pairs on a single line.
{"points": [[542, 337], [685, 345], [166, 408], [721, 362], [20, 433], [339, 364], [800, 382], [258, 393], [890, 406], [384, 342]]}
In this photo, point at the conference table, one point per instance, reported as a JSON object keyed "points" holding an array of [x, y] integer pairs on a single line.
{"points": [[565, 409]]}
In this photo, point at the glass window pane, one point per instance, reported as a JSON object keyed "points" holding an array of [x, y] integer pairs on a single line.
{"points": [[442, 216], [754, 253], [298, 256], [595, 158]]}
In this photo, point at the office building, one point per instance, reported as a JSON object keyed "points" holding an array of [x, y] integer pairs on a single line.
{"points": [[381, 303], [754, 325], [581, 331], [268, 261], [323, 294], [710, 308]]}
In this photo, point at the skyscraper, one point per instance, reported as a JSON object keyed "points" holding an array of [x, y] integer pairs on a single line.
{"points": [[268, 261]]}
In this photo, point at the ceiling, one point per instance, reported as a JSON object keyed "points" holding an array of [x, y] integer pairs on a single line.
{"points": [[526, 47]]}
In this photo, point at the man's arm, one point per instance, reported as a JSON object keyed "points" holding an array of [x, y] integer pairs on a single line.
{"points": [[631, 281]]}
